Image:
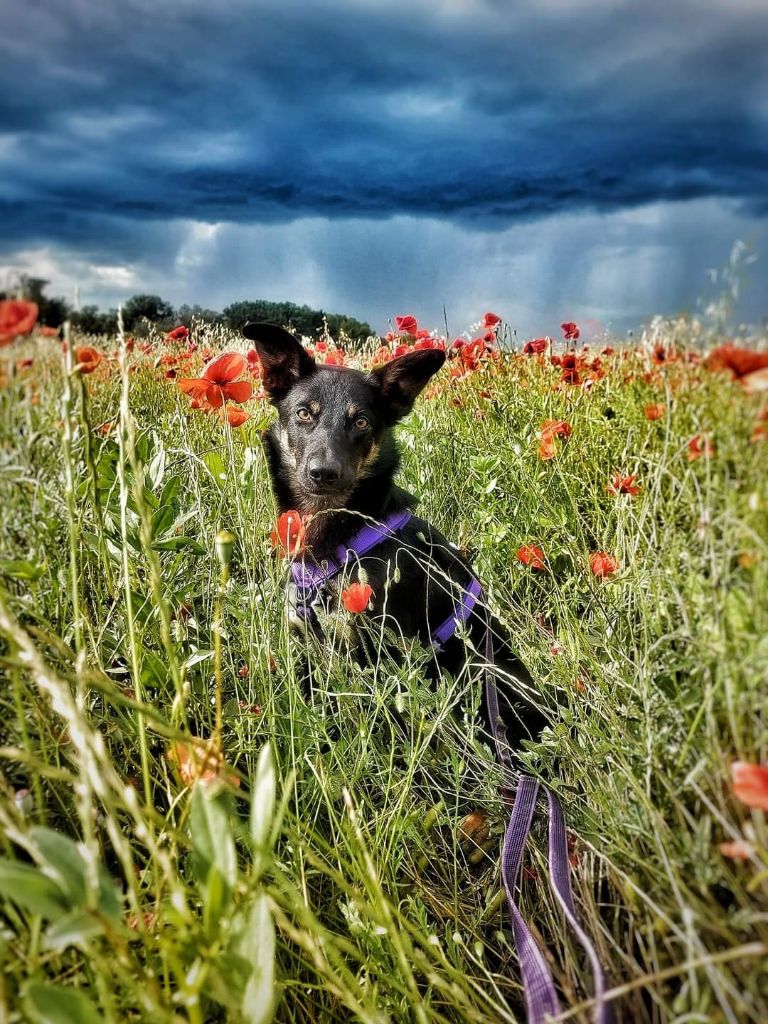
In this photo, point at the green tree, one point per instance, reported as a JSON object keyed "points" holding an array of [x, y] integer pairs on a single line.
{"points": [[185, 314], [301, 319], [51, 311], [90, 320], [147, 307]]}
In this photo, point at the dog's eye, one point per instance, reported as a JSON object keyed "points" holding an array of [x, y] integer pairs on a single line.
{"points": [[303, 414], [362, 423]]}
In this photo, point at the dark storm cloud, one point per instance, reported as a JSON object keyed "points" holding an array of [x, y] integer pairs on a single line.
{"points": [[471, 112]]}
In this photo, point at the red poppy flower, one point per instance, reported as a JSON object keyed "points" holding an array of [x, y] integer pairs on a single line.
{"points": [[698, 446], [407, 325], [491, 320], [288, 536], [570, 331], [738, 850], [547, 449], [661, 354], [740, 361], [198, 761], [219, 382], [623, 484], [755, 383], [380, 356], [87, 358], [549, 430], [532, 556], [555, 428], [750, 784], [48, 332], [654, 412], [535, 347], [16, 318], [602, 564], [180, 333], [430, 343], [334, 358], [356, 597], [235, 417]]}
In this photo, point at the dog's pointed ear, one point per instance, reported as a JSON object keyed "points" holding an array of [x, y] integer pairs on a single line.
{"points": [[402, 380], [283, 358]]}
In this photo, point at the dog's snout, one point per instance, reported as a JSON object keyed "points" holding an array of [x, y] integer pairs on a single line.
{"points": [[322, 472]]}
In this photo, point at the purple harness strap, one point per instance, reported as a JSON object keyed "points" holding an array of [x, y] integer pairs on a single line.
{"points": [[460, 614], [538, 986], [310, 577]]}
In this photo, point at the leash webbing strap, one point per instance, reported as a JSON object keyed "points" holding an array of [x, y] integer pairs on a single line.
{"points": [[538, 986], [561, 884]]}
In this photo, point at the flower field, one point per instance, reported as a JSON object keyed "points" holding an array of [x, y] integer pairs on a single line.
{"points": [[183, 841]]}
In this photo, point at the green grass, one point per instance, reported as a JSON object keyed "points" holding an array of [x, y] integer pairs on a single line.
{"points": [[352, 894]]}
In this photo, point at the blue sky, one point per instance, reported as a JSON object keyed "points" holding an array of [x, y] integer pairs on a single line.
{"points": [[548, 159]]}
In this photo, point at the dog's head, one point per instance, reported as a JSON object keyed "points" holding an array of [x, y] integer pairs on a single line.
{"points": [[332, 419]]}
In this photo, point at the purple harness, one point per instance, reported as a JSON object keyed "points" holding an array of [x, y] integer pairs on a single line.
{"points": [[310, 578], [538, 985]]}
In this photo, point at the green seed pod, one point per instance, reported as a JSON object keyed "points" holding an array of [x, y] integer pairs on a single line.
{"points": [[225, 543]]}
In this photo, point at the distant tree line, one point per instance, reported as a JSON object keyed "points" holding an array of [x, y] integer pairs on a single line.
{"points": [[142, 310]]}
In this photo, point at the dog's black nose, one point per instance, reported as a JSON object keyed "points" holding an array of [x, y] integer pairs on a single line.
{"points": [[322, 473]]}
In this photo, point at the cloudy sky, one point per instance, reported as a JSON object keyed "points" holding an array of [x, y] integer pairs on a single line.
{"points": [[547, 159]]}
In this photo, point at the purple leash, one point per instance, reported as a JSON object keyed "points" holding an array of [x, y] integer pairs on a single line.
{"points": [[538, 986]]}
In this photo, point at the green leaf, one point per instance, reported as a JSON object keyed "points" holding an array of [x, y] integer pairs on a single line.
{"points": [[153, 669], [263, 789], [177, 544], [75, 929], [171, 490], [211, 832], [216, 467], [259, 946], [156, 470], [142, 606], [197, 658], [215, 898], [29, 888], [64, 861], [162, 521], [20, 569], [52, 1004]]}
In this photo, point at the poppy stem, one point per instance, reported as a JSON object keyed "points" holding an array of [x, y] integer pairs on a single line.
{"points": [[224, 544], [217, 672], [94, 482], [69, 492], [130, 615]]}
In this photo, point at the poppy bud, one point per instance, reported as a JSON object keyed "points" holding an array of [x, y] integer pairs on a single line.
{"points": [[225, 543], [473, 828], [24, 802]]}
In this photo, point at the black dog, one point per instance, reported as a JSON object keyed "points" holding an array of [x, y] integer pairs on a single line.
{"points": [[332, 456]]}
